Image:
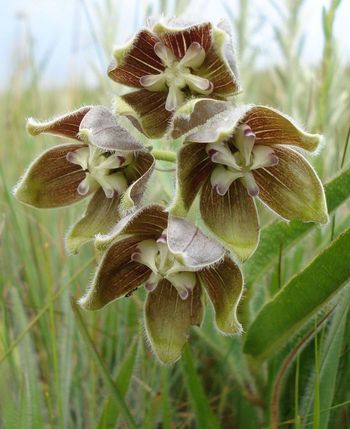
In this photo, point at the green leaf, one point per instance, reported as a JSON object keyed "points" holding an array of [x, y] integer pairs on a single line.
{"points": [[304, 294], [110, 412], [204, 415], [337, 191]]}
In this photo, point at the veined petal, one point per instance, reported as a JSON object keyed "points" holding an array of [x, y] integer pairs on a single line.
{"points": [[273, 127], [168, 319], [232, 217], [51, 180], [100, 128], [135, 59], [192, 247], [100, 216], [66, 125], [193, 168], [148, 222], [224, 284], [153, 82], [147, 109], [292, 188], [179, 39], [194, 56], [116, 275], [138, 174], [195, 113]]}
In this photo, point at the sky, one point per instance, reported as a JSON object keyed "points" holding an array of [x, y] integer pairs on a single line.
{"points": [[74, 38]]}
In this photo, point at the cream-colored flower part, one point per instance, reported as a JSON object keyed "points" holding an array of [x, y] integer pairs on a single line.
{"points": [[237, 159], [155, 254], [101, 170], [178, 74]]}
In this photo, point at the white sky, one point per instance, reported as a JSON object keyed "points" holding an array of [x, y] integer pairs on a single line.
{"points": [[64, 32]]}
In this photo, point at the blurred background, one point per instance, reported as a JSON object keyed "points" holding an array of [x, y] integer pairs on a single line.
{"points": [[293, 55]]}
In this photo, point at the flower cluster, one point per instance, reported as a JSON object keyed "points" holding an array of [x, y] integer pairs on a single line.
{"points": [[183, 80]]}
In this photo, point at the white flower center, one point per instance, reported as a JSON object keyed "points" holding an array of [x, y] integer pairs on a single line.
{"points": [[164, 265], [239, 164], [101, 170], [178, 75]]}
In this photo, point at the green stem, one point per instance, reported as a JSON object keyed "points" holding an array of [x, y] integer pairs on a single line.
{"points": [[164, 155]]}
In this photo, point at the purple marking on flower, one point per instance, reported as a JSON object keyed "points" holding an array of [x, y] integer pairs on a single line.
{"points": [[135, 256], [274, 160], [150, 287], [212, 152], [253, 192], [83, 188], [248, 132], [162, 239], [220, 190], [183, 294]]}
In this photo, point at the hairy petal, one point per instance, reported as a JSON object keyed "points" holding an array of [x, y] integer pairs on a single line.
{"points": [[116, 275], [193, 168], [100, 216], [136, 59], [292, 188], [51, 180], [232, 217], [138, 173], [224, 284], [100, 128], [195, 113], [146, 111], [168, 319], [148, 222], [194, 248], [273, 127], [179, 39], [66, 125]]}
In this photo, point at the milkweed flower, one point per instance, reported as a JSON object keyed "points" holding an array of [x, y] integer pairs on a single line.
{"points": [[104, 162], [175, 261], [237, 155], [170, 63]]}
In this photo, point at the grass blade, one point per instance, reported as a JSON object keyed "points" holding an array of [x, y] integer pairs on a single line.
{"points": [[204, 415], [102, 368]]}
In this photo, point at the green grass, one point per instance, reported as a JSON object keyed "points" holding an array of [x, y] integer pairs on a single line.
{"points": [[61, 368]]}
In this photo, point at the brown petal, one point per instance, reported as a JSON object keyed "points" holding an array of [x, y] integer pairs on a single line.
{"points": [[135, 60], [195, 248], [224, 284], [100, 128], [292, 188], [193, 114], [179, 39], [66, 125], [116, 275], [148, 109], [168, 319], [101, 215], [148, 222], [137, 173], [273, 127], [215, 69], [51, 181], [193, 168], [232, 217]]}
